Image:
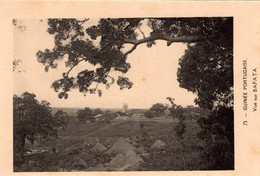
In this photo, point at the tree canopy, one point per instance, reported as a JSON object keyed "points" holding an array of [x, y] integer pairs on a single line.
{"points": [[218, 134], [158, 108], [31, 118], [86, 114], [107, 44], [61, 119]]}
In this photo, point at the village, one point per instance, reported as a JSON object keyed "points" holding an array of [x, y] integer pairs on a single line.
{"points": [[123, 143]]}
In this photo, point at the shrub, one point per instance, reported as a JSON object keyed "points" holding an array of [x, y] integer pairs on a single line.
{"points": [[61, 119], [158, 109], [148, 114], [86, 114]]}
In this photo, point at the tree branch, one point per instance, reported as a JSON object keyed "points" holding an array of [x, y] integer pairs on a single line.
{"points": [[162, 37], [83, 21], [189, 39], [141, 31], [79, 22], [131, 50], [112, 79], [67, 74], [144, 40], [96, 86]]}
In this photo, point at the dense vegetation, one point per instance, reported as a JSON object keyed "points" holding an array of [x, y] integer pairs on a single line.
{"points": [[77, 140], [33, 119]]}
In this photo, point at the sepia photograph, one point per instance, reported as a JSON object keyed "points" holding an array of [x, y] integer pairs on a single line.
{"points": [[129, 88], [123, 94]]}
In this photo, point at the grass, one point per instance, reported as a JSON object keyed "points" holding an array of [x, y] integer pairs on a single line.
{"points": [[169, 159], [79, 134]]}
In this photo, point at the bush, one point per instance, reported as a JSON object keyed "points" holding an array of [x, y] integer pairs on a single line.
{"points": [[121, 113], [148, 114], [86, 114], [97, 111], [61, 119], [158, 109], [130, 113]]}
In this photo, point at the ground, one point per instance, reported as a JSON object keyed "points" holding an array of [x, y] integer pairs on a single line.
{"points": [[76, 141]]}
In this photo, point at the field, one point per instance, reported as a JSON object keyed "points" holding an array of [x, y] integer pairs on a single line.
{"points": [[75, 144]]}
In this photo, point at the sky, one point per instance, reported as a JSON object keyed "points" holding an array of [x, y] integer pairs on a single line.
{"points": [[153, 72]]}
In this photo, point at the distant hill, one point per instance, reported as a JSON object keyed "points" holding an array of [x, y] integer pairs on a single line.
{"points": [[69, 111], [73, 111], [138, 111]]}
